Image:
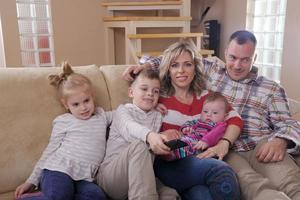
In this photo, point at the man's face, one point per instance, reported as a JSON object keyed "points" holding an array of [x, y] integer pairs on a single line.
{"points": [[239, 59]]}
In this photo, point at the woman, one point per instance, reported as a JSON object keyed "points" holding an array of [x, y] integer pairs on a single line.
{"points": [[183, 93]]}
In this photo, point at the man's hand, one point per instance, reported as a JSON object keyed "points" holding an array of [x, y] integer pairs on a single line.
{"points": [[272, 151], [171, 134], [219, 150], [127, 74]]}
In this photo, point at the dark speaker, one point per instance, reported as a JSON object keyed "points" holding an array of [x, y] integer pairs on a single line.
{"points": [[212, 36]]}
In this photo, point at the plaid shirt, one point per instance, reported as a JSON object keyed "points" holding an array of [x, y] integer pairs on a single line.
{"points": [[262, 104]]}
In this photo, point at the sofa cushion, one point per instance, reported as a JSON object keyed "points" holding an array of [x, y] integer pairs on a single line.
{"points": [[28, 106]]}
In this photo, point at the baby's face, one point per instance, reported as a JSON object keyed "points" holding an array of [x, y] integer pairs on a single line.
{"points": [[145, 93], [213, 111]]}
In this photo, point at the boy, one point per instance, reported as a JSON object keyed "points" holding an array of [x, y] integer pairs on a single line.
{"points": [[127, 169]]}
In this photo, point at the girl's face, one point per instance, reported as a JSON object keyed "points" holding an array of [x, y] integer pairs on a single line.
{"points": [[182, 71], [80, 104]]}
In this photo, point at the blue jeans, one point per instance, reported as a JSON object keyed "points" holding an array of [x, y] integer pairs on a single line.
{"points": [[60, 186], [199, 179]]}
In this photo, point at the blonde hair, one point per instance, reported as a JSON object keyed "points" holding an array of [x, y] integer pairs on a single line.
{"points": [[169, 56], [69, 81]]}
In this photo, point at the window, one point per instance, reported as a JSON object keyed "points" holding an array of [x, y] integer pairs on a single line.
{"points": [[36, 35], [266, 19], [2, 55]]}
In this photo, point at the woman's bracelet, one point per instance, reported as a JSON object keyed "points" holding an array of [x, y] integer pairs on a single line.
{"points": [[225, 139]]}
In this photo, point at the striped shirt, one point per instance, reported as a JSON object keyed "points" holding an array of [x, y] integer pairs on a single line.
{"points": [[208, 132], [76, 147], [130, 123], [262, 104]]}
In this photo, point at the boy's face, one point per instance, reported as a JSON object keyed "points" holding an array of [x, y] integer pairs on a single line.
{"points": [[144, 93], [213, 111]]}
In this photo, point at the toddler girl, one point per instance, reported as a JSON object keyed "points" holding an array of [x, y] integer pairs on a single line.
{"points": [[68, 165]]}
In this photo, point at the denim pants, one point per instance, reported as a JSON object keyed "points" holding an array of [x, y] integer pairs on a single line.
{"points": [[59, 186], [199, 179]]}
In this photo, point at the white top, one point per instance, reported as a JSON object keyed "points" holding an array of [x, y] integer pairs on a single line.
{"points": [[130, 123], [76, 146]]}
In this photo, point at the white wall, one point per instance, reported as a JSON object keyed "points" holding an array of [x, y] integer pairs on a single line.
{"points": [[233, 19], [291, 51], [11, 41]]}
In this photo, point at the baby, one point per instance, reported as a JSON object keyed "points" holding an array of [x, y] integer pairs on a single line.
{"points": [[199, 134]]}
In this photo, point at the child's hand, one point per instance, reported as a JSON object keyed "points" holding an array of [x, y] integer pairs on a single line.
{"points": [[161, 108], [21, 189], [156, 142], [201, 145], [171, 134]]}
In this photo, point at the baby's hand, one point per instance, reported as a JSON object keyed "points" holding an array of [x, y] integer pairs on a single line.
{"points": [[21, 189], [161, 108], [201, 145], [187, 130]]}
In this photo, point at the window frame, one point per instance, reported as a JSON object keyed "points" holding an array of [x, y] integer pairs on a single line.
{"points": [[35, 51]]}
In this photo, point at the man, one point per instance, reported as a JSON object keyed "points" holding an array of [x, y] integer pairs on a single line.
{"points": [[264, 168]]}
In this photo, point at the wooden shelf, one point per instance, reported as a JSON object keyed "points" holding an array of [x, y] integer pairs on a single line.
{"points": [[147, 18], [147, 3], [203, 52]]}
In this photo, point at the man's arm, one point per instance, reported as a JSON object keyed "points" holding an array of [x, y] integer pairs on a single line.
{"points": [[286, 134]]}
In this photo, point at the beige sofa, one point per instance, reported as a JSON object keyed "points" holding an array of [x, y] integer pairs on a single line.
{"points": [[27, 107]]}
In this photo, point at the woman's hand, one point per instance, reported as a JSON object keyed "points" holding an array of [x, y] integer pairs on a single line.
{"points": [[201, 145], [161, 108], [219, 150], [171, 134], [157, 145], [21, 189]]}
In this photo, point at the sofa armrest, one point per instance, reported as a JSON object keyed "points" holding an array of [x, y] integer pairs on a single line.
{"points": [[295, 109]]}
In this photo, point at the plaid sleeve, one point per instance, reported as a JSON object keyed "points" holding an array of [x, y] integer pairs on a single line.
{"points": [[154, 62], [284, 125]]}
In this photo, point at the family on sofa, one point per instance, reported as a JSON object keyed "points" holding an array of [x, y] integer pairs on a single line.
{"points": [[258, 143]]}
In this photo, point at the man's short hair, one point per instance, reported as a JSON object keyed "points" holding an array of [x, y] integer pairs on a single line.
{"points": [[243, 36]]}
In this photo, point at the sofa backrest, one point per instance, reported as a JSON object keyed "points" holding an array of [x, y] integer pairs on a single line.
{"points": [[117, 87], [28, 106]]}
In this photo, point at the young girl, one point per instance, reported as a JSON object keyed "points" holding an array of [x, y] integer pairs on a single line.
{"points": [[206, 131], [68, 165]]}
